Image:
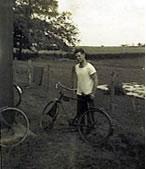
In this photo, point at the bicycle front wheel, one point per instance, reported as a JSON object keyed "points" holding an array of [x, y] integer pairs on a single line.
{"points": [[95, 126], [48, 116], [13, 130]]}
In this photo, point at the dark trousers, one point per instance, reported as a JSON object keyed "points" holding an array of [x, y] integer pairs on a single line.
{"points": [[84, 102]]}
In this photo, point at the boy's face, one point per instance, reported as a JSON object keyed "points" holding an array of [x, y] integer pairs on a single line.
{"points": [[80, 57]]}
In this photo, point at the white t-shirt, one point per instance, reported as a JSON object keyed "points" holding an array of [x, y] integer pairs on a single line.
{"points": [[84, 81]]}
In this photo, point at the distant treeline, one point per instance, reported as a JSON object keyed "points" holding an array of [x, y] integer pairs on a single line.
{"points": [[92, 50], [27, 54]]}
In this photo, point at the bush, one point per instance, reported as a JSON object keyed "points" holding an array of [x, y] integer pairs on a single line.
{"points": [[25, 55]]}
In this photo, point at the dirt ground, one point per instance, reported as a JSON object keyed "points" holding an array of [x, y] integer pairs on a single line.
{"points": [[62, 148]]}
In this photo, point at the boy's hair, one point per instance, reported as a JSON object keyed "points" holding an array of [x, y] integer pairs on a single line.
{"points": [[81, 50]]}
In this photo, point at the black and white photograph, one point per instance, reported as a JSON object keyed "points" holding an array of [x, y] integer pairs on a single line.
{"points": [[72, 84]]}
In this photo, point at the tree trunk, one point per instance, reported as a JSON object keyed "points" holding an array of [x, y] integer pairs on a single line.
{"points": [[6, 53]]}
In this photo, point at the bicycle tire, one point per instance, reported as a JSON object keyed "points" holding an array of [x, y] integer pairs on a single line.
{"points": [[17, 92], [48, 116], [17, 131], [95, 126]]}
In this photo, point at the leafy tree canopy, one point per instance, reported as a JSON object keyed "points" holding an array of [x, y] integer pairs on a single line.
{"points": [[38, 22]]}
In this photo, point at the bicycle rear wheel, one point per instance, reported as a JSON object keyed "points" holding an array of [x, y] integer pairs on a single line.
{"points": [[95, 126], [17, 92], [15, 130], [48, 116]]}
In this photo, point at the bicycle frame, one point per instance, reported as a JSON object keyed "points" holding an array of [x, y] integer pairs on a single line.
{"points": [[62, 96], [85, 124], [59, 102]]}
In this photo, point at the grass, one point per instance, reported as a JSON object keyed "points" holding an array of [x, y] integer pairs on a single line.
{"points": [[128, 70], [123, 149]]}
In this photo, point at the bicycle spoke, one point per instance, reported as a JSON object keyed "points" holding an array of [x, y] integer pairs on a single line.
{"points": [[97, 127], [46, 122], [20, 122], [48, 116], [16, 128]]}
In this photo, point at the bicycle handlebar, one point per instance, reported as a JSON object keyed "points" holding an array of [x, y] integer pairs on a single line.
{"points": [[59, 84]]}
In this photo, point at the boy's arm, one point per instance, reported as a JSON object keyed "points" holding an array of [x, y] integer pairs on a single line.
{"points": [[95, 81], [74, 78]]}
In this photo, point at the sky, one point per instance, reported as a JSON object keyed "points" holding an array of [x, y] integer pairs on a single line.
{"points": [[107, 22]]}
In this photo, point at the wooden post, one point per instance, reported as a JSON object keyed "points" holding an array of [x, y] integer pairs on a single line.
{"points": [[112, 93], [6, 51], [37, 75], [30, 72], [45, 81]]}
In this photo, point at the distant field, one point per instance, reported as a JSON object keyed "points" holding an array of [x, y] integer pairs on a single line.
{"points": [[113, 50], [104, 50]]}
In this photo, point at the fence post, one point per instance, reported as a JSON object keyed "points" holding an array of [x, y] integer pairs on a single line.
{"points": [[37, 75], [46, 76], [112, 92], [29, 72]]}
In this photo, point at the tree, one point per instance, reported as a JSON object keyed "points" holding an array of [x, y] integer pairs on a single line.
{"points": [[141, 44], [65, 30], [38, 22]]}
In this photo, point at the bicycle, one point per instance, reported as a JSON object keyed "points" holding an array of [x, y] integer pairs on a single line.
{"points": [[14, 124], [17, 92], [93, 131]]}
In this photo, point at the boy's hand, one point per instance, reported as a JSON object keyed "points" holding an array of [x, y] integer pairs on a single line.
{"points": [[92, 96]]}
